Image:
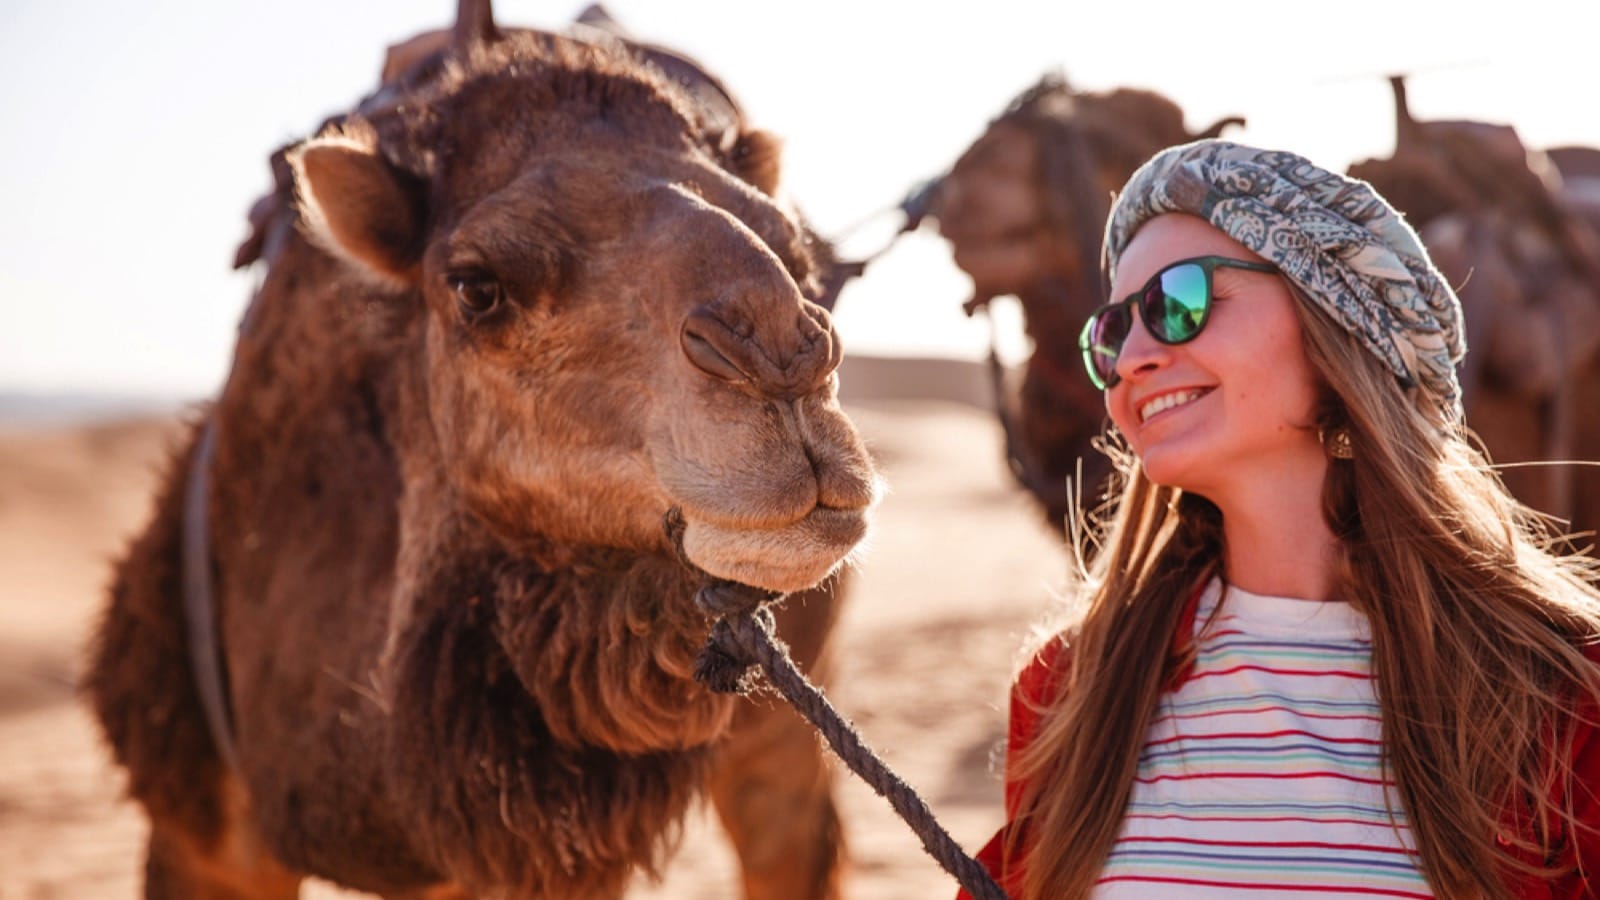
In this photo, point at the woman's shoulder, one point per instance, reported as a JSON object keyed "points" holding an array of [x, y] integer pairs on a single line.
{"points": [[1037, 686], [1046, 667], [1044, 676]]}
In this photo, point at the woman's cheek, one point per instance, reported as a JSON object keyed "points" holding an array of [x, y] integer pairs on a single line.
{"points": [[1122, 416]]}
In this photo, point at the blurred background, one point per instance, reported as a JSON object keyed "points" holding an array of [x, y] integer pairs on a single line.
{"points": [[137, 134]]}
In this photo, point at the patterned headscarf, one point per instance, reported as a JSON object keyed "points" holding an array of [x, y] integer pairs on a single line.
{"points": [[1332, 236]]}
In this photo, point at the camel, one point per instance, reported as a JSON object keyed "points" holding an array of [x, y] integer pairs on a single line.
{"points": [[528, 301], [1023, 209], [1518, 232]]}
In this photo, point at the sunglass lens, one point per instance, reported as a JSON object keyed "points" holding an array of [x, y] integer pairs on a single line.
{"points": [[1102, 342], [1175, 306]]}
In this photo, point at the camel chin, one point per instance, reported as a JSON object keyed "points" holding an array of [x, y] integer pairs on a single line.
{"points": [[789, 558]]}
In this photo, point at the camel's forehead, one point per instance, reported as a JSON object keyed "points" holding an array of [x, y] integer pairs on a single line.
{"points": [[536, 87], [587, 206], [574, 148], [472, 157], [592, 186], [576, 172], [488, 114]]}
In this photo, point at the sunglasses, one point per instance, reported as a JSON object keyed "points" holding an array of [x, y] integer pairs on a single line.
{"points": [[1174, 304]]}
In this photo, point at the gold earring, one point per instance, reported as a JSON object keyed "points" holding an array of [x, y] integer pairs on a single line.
{"points": [[1337, 443]]}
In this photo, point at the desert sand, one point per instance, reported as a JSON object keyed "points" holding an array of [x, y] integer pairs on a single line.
{"points": [[959, 569]]}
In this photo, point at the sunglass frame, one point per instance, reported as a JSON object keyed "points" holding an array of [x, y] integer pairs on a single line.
{"points": [[1208, 265]]}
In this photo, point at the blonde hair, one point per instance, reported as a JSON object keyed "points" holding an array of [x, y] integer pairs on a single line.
{"points": [[1476, 614]]}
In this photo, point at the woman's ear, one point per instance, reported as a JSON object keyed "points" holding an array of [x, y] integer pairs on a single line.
{"points": [[357, 206]]}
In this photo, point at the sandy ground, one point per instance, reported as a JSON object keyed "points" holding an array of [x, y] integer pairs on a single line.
{"points": [[958, 570]]}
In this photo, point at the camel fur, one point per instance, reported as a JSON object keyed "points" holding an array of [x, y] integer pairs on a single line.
{"points": [[524, 300]]}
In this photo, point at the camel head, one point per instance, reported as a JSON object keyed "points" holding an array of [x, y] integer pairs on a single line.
{"points": [[992, 209], [610, 311], [1025, 205]]}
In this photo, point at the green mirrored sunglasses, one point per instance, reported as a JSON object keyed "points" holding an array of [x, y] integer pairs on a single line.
{"points": [[1174, 305]]}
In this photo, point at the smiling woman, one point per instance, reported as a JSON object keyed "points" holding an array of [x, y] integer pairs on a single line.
{"points": [[1323, 650], [1224, 413]]}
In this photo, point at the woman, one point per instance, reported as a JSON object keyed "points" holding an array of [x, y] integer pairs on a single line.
{"points": [[1321, 651]]}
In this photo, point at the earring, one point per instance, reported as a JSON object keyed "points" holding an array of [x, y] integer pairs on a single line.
{"points": [[1337, 443]]}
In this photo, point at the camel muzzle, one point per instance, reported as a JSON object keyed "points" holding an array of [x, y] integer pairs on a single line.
{"points": [[783, 360]]}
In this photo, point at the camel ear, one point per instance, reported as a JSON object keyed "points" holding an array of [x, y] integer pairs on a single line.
{"points": [[358, 206], [756, 157], [1215, 128]]}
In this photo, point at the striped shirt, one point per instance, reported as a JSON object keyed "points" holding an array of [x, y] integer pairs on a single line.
{"points": [[1261, 775]]}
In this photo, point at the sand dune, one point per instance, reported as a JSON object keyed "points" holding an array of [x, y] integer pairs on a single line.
{"points": [[958, 569]]}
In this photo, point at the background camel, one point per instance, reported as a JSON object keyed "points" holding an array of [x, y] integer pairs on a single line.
{"points": [[532, 296], [1519, 236], [1023, 209]]}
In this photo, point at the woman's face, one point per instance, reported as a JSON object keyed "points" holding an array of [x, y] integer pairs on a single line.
{"points": [[1235, 404]]}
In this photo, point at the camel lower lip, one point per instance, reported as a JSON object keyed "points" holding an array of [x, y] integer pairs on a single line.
{"points": [[844, 527], [787, 558]]}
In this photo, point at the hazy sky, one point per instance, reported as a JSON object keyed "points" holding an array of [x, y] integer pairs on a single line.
{"points": [[136, 134]]}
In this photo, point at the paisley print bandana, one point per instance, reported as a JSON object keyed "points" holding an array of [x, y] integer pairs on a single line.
{"points": [[1334, 237]]}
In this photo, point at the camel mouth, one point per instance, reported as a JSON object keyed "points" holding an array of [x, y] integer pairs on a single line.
{"points": [[786, 558]]}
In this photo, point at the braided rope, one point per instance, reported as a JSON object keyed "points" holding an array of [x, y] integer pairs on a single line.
{"points": [[742, 638]]}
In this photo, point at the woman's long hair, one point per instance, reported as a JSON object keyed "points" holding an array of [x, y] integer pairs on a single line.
{"points": [[1477, 621]]}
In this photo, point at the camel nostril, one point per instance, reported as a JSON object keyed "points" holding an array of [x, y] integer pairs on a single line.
{"points": [[698, 345], [827, 341]]}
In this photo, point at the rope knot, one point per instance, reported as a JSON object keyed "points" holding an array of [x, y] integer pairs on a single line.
{"points": [[742, 638], [743, 625], [727, 663]]}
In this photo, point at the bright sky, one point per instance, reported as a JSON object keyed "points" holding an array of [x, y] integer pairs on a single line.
{"points": [[137, 134]]}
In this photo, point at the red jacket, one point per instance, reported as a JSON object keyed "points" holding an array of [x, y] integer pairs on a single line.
{"points": [[1040, 684]]}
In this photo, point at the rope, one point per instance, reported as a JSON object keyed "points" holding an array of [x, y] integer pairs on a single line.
{"points": [[742, 638]]}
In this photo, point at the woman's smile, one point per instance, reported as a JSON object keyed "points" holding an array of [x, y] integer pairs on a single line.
{"points": [[1168, 401]]}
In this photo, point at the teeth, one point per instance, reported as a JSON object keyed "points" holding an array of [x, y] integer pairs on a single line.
{"points": [[1166, 402]]}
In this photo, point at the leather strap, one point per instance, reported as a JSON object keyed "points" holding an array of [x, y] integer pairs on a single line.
{"points": [[199, 599]]}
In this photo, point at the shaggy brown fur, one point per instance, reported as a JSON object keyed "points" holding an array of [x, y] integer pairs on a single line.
{"points": [[531, 303], [1024, 208], [1521, 241]]}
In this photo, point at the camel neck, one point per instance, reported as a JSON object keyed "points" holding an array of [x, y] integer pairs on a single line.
{"points": [[1053, 314]]}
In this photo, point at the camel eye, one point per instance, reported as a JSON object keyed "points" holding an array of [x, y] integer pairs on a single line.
{"points": [[477, 294]]}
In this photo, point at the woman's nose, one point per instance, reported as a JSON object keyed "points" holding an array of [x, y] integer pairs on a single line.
{"points": [[1141, 354]]}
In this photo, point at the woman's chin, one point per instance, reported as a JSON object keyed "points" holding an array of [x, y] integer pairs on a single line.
{"points": [[1169, 466]]}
